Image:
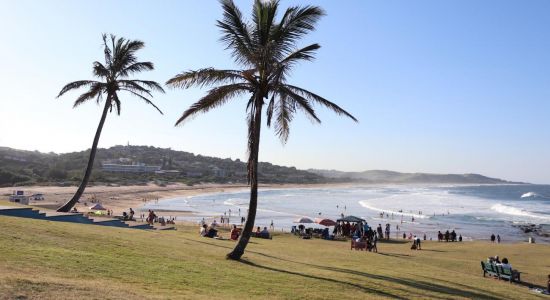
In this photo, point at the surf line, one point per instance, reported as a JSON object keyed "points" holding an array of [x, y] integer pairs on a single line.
{"points": [[367, 205]]}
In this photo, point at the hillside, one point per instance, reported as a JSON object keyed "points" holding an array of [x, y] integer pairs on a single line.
{"points": [[20, 167], [383, 176]]}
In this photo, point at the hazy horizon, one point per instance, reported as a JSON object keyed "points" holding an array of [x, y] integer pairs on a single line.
{"points": [[438, 87]]}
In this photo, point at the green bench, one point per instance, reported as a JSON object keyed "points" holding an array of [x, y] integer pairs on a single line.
{"points": [[500, 272]]}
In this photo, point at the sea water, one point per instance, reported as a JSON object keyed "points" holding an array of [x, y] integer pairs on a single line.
{"points": [[475, 211]]}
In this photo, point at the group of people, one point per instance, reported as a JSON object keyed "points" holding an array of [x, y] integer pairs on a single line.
{"points": [[448, 236], [128, 216], [360, 229], [505, 264], [497, 238]]}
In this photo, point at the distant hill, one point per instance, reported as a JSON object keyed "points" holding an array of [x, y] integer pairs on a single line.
{"points": [[21, 167], [383, 176]]}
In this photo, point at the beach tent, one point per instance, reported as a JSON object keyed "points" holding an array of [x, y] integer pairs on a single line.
{"points": [[303, 220], [352, 219], [97, 207], [325, 222]]}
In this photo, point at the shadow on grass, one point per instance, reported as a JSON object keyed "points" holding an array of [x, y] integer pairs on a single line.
{"points": [[350, 284], [393, 241], [394, 255], [472, 293]]}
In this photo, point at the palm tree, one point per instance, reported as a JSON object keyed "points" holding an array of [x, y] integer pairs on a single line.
{"points": [[120, 63], [267, 51]]}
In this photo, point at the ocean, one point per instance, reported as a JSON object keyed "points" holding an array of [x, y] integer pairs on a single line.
{"points": [[474, 211]]}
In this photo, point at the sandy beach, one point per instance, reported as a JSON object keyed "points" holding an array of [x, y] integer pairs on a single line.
{"points": [[121, 198]]}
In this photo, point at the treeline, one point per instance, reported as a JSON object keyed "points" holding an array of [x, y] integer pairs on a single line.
{"points": [[20, 167]]}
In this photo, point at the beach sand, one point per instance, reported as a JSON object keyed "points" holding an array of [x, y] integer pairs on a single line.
{"points": [[121, 198]]}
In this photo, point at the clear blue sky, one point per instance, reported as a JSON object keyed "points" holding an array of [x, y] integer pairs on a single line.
{"points": [[438, 86]]}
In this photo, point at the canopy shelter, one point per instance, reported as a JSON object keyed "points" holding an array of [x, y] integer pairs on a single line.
{"points": [[325, 222], [303, 220], [98, 206], [351, 219]]}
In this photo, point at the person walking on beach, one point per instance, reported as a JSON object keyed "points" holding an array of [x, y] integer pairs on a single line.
{"points": [[498, 238], [271, 226], [492, 238]]}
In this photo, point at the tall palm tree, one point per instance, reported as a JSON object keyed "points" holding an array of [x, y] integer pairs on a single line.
{"points": [[267, 50], [120, 63]]}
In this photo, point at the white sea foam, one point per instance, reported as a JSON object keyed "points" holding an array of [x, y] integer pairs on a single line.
{"points": [[530, 195], [510, 210], [367, 205]]}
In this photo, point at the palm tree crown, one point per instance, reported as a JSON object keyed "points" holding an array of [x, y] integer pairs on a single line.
{"points": [[267, 50], [120, 63]]}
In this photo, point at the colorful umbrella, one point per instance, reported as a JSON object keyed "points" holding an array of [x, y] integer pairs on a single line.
{"points": [[325, 222]]}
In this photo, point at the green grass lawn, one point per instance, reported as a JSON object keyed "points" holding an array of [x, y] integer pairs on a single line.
{"points": [[44, 259]]}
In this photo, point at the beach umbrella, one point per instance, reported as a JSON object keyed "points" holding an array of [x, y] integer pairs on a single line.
{"points": [[303, 220], [98, 206], [325, 222]]}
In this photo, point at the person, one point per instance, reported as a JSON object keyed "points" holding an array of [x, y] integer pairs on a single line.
{"points": [[404, 235], [272, 226], [439, 236], [75, 210], [453, 236], [492, 238], [506, 264], [131, 216], [235, 232], [548, 284], [418, 243], [374, 242], [264, 234], [460, 237], [258, 231], [498, 238], [204, 230], [212, 232], [124, 216], [424, 236]]}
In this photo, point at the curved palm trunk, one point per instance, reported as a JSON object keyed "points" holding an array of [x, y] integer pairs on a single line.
{"points": [[67, 206], [254, 140]]}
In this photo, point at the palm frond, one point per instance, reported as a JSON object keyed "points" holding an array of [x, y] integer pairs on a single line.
{"points": [[284, 112], [205, 77], [144, 99], [235, 33], [214, 98], [300, 102], [305, 53], [134, 86], [94, 91], [107, 51], [136, 68], [320, 100], [263, 16], [100, 70], [75, 85], [116, 101], [296, 22]]}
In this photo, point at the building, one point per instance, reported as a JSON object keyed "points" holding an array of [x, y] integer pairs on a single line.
{"points": [[19, 197], [133, 168]]}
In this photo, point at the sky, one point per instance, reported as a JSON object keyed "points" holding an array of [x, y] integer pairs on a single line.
{"points": [[437, 86]]}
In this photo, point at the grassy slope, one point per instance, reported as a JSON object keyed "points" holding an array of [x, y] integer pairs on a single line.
{"points": [[43, 259]]}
